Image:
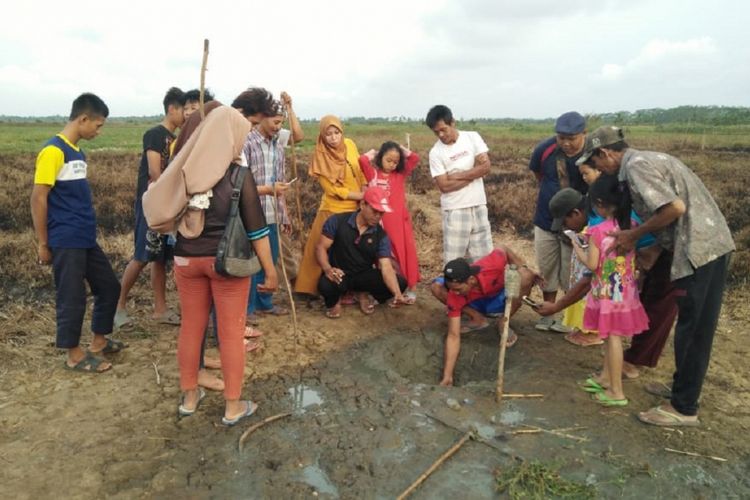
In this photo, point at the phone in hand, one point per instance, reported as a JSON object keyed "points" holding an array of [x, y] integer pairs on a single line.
{"points": [[530, 302], [576, 238]]}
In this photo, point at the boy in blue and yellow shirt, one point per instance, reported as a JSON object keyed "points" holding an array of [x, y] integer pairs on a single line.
{"points": [[65, 226]]}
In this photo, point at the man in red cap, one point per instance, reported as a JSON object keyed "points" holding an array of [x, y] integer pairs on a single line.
{"points": [[355, 254]]}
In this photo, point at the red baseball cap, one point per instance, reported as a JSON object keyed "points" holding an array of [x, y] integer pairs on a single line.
{"points": [[377, 198]]}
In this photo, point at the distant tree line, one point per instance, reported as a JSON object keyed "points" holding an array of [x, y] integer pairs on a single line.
{"points": [[696, 115]]}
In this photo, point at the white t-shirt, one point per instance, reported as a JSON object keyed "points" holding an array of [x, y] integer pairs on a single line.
{"points": [[284, 135], [447, 158]]}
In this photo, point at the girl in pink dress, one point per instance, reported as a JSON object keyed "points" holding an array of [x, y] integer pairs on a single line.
{"points": [[613, 307], [389, 169]]}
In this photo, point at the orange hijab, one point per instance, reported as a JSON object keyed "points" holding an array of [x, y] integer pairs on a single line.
{"points": [[327, 161]]}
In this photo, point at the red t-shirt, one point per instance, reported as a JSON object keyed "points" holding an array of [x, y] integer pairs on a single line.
{"points": [[491, 279]]}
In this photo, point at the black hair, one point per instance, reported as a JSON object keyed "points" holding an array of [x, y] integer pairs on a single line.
{"points": [[195, 96], [88, 104], [607, 190], [387, 146], [256, 100], [437, 113], [173, 97]]}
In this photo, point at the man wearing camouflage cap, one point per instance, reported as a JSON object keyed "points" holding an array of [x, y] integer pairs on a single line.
{"points": [[680, 211]]}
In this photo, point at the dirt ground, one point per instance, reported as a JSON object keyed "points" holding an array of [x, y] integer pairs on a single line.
{"points": [[367, 416]]}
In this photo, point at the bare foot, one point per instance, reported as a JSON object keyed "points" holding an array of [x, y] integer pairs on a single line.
{"points": [[211, 363], [209, 381], [447, 381], [630, 371]]}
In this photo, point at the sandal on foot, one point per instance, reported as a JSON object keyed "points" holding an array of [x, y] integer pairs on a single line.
{"points": [[512, 339], [659, 389], [472, 327], [274, 311], [249, 410], [576, 337], [168, 317], [367, 308], [591, 385], [112, 346], [183, 411], [122, 321], [665, 418], [348, 299], [605, 400], [89, 364], [334, 312], [252, 345], [251, 333]]}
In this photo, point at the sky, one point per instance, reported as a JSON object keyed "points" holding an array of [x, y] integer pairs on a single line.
{"points": [[482, 58]]}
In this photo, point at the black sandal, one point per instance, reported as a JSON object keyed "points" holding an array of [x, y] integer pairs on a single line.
{"points": [[111, 347], [89, 364]]}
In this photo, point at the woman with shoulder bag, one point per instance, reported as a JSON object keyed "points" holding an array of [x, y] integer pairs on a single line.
{"points": [[214, 149]]}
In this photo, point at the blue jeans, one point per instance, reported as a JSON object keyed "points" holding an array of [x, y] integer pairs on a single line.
{"points": [[261, 301]]}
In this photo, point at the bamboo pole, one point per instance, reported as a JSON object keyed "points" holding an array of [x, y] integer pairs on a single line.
{"points": [[512, 290], [445, 456], [203, 79], [297, 188]]}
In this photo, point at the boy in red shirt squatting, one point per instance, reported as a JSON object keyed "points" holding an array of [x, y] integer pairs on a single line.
{"points": [[478, 291]]}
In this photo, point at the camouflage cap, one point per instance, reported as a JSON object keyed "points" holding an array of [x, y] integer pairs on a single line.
{"points": [[600, 138]]}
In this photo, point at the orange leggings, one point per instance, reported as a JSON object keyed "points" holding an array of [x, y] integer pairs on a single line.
{"points": [[199, 285]]}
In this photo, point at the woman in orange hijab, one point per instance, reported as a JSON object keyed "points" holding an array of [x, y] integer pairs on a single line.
{"points": [[335, 164]]}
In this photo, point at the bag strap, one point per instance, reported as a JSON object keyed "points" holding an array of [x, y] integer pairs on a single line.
{"points": [[236, 190]]}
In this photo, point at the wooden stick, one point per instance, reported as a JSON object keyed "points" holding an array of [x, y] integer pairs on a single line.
{"points": [[523, 396], [445, 456], [408, 141], [501, 354], [203, 79], [257, 426], [158, 377], [297, 188], [692, 454], [558, 433], [287, 285]]}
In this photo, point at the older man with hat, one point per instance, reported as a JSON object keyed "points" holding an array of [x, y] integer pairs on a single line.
{"points": [[478, 291], [676, 206], [553, 161], [354, 253]]}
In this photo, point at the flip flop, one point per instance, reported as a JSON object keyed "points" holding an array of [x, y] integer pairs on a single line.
{"points": [[663, 418], [186, 412], [473, 328], [89, 364], [112, 346], [591, 385], [168, 318], [334, 312], [249, 410], [605, 400], [251, 333], [274, 311], [659, 389], [122, 321], [252, 345], [576, 337]]}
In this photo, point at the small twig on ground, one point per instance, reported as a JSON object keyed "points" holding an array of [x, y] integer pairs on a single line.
{"points": [[158, 377], [523, 396], [257, 426], [476, 437], [445, 456], [692, 454], [558, 433]]}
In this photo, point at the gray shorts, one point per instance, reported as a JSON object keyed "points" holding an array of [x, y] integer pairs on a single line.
{"points": [[553, 259]]}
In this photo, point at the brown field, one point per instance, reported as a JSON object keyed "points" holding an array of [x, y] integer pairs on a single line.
{"points": [[116, 435]]}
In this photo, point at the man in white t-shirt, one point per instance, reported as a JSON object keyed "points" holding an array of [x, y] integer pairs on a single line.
{"points": [[458, 161]]}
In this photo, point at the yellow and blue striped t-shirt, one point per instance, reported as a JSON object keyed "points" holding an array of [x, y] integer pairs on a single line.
{"points": [[71, 221]]}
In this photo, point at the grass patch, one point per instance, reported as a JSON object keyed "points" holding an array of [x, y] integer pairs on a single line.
{"points": [[535, 480]]}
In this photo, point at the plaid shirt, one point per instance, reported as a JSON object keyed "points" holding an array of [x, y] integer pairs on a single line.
{"points": [[265, 158]]}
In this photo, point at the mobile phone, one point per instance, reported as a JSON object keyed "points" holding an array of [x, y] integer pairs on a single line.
{"points": [[573, 236], [530, 302]]}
